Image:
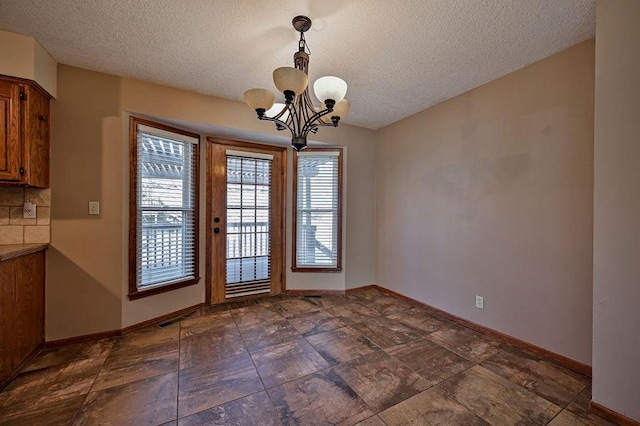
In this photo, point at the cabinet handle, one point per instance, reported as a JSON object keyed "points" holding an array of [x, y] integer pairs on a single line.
{"points": [[42, 118]]}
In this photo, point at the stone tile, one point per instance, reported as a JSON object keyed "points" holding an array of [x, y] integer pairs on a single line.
{"points": [[578, 412], [4, 215], [209, 337], [341, 345], [11, 234], [546, 379], [569, 418], [37, 234], [15, 217], [385, 332], [148, 401], [420, 319], [388, 305], [466, 342], [140, 355], [216, 382], [47, 412], [328, 301], [205, 319], [43, 215], [287, 361], [293, 306], [381, 380], [352, 313], [497, 400], [39, 389], [260, 335], [583, 400], [38, 196], [318, 399], [256, 409], [12, 197], [431, 407], [252, 315], [219, 386], [372, 421], [365, 296], [66, 354], [430, 360], [312, 323]]}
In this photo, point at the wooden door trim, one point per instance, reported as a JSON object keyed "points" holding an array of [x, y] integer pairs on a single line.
{"points": [[281, 221]]}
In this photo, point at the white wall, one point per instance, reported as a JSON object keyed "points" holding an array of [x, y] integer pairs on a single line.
{"points": [[616, 271], [491, 193]]}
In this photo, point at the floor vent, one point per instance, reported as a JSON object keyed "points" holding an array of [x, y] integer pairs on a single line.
{"points": [[169, 322]]}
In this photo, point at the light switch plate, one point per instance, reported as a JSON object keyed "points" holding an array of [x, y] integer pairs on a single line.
{"points": [[94, 207]]}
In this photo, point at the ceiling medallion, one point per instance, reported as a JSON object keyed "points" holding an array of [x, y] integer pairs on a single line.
{"points": [[298, 114]]}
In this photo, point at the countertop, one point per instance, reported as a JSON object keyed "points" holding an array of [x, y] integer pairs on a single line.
{"points": [[10, 251]]}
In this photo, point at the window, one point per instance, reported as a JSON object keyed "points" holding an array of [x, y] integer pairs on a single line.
{"points": [[163, 220], [317, 220]]}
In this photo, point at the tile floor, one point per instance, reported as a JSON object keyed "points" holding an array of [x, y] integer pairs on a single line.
{"points": [[365, 358]]}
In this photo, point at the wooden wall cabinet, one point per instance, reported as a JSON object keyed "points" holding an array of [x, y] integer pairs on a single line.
{"points": [[21, 311], [24, 133]]}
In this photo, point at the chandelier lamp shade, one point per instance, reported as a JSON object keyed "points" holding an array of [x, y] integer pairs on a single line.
{"points": [[298, 113]]}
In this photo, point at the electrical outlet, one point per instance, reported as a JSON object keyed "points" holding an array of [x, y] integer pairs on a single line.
{"points": [[28, 210], [479, 302]]}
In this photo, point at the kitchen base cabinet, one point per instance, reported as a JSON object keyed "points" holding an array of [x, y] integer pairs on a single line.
{"points": [[21, 311]]}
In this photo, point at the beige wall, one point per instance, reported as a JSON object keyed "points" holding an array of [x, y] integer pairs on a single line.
{"points": [[616, 272], [87, 265], [22, 56], [490, 193]]}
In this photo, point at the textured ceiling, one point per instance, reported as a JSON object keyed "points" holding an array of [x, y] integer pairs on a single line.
{"points": [[398, 57]]}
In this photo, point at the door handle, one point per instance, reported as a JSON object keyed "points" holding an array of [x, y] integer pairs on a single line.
{"points": [[216, 230]]}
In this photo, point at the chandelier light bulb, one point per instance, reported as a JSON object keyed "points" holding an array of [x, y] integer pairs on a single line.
{"points": [[289, 79], [341, 109], [259, 99], [330, 88], [276, 109]]}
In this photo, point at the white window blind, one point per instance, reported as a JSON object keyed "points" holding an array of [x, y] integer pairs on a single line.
{"points": [[317, 209], [248, 224], [166, 208]]}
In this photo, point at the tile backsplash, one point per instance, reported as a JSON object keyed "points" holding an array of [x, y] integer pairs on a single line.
{"points": [[14, 229]]}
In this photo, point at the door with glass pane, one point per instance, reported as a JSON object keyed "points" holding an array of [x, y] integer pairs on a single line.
{"points": [[246, 213]]}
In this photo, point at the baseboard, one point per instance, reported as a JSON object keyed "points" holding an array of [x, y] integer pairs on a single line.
{"points": [[162, 318], [314, 292], [612, 416], [521, 344], [82, 339], [116, 333]]}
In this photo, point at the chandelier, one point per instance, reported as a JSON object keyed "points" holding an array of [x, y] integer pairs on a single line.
{"points": [[298, 114]]}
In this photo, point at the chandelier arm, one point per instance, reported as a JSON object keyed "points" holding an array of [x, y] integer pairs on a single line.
{"points": [[284, 124], [313, 121]]}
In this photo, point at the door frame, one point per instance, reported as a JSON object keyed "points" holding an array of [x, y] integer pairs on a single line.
{"points": [[279, 245]]}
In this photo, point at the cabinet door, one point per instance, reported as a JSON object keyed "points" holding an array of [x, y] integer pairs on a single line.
{"points": [[36, 147], [9, 131]]}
